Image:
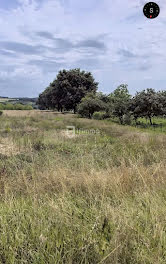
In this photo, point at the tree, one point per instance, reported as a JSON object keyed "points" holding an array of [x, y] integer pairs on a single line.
{"points": [[162, 99], [45, 99], [90, 104], [108, 104], [67, 90], [120, 100], [103, 97], [147, 104]]}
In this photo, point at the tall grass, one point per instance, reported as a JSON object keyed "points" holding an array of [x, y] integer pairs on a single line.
{"points": [[84, 199]]}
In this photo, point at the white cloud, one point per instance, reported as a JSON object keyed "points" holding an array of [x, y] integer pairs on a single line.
{"points": [[113, 39]]}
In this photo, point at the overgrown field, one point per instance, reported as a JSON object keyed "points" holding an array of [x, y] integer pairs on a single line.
{"points": [[90, 197]]}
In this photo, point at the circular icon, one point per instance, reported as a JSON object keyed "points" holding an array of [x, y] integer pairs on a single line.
{"points": [[151, 10]]}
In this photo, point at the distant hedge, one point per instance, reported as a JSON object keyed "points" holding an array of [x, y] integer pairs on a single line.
{"points": [[10, 106]]}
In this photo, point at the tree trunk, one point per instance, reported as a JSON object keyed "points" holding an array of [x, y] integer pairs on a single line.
{"points": [[121, 120], [150, 119]]}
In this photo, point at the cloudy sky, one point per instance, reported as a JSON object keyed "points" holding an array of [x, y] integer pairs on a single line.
{"points": [[111, 38]]}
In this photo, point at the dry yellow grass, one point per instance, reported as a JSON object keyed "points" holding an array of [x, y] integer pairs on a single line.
{"points": [[22, 113], [79, 200], [26, 113], [7, 147]]}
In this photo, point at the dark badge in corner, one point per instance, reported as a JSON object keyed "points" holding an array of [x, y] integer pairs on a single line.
{"points": [[151, 10]]}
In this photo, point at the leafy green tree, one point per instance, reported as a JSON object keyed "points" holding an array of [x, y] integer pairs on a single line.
{"points": [[45, 100], [120, 100], [67, 90], [108, 104], [148, 104], [103, 97], [90, 104], [162, 99]]}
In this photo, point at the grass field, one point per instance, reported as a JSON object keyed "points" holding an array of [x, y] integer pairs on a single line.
{"points": [[159, 124], [143, 124], [90, 197]]}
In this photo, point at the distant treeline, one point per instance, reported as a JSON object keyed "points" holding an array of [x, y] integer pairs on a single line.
{"points": [[27, 99], [9, 106], [18, 103], [76, 91]]}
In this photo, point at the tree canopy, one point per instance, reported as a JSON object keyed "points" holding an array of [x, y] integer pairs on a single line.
{"points": [[120, 99], [76, 90], [67, 90], [90, 104], [147, 103]]}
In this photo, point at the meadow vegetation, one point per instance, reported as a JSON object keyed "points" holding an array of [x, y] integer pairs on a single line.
{"points": [[17, 106], [83, 198]]}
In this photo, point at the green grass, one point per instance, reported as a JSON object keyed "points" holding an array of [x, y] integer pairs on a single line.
{"points": [[83, 199], [143, 124], [159, 124]]}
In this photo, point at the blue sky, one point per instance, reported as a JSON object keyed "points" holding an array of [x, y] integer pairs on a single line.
{"points": [[110, 38]]}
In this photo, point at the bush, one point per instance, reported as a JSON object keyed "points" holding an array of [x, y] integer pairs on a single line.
{"points": [[107, 115], [1, 112], [9, 106], [19, 107], [99, 115], [90, 104], [127, 120], [28, 107]]}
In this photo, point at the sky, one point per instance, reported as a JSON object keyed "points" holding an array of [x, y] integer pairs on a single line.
{"points": [[110, 38]]}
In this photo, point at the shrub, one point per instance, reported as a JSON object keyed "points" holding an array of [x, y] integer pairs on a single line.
{"points": [[107, 114], [127, 120], [9, 106], [90, 104], [28, 107], [99, 115], [19, 107]]}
